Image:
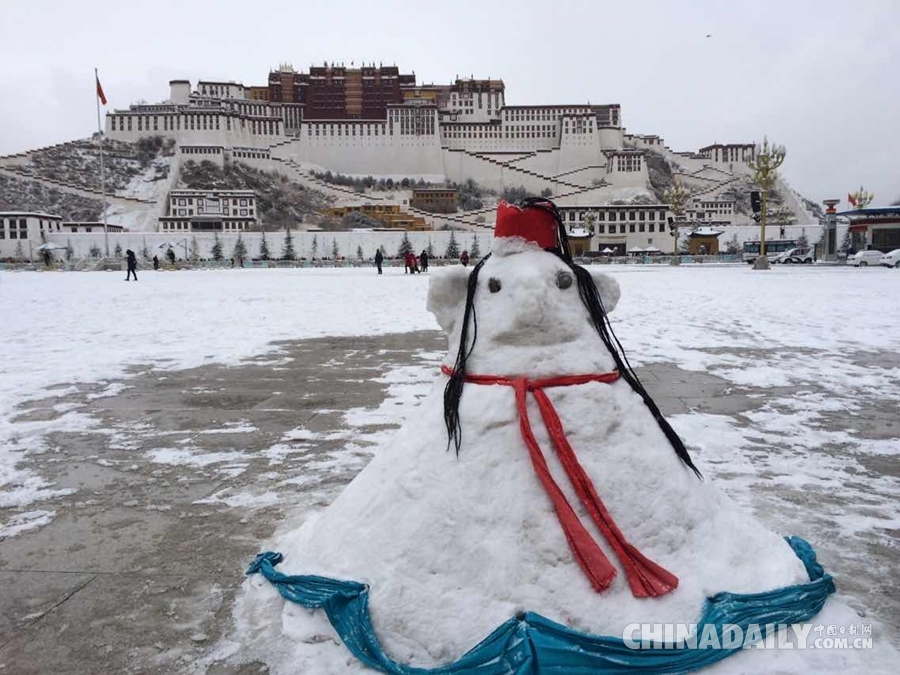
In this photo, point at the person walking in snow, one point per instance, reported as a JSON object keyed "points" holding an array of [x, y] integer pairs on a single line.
{"points": [[379, 258], [423, 261], [131, 261], [155, 262], [464, 258]]}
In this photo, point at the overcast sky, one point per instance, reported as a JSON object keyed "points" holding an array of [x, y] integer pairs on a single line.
{"points": [[821, 77]]}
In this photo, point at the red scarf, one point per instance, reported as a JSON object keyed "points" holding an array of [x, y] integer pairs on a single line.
{"points": [[645, 577]]}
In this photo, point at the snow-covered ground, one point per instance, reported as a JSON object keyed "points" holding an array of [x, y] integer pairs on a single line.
{"points": [[786, 328], [60, 328], [820, 340]]}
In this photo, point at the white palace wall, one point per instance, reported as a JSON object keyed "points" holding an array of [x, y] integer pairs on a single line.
{"points": [[81, 242], [196, 128], [367, 149], [562, 143]]}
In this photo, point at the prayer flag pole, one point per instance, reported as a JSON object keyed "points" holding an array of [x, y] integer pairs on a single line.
{"points": [[101, 97]]}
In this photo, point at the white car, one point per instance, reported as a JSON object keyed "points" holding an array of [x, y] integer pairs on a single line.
{"points": [[796, 256], [891, 259], [864, 258]]}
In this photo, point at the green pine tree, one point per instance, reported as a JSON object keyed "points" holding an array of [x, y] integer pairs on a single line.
{"points": [[359, 252], [94, 251], [430, 249], [216, 248], [335, 249], [452, 251], [287, 250], [475, 250], [847, 241], [315, 246], [240, 249], [405, 246], [117, 251], [802, 241], [264, 247], [195, 249]]}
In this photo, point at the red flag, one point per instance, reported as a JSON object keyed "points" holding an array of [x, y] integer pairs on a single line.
{"points": [[100, 93], [851, 199]]}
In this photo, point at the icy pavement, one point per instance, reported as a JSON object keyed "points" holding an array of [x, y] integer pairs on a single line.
{"points": [[136, 478], [164, 498]]}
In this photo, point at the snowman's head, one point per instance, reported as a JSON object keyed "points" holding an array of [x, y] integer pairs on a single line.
{"points": [[527, 314]]}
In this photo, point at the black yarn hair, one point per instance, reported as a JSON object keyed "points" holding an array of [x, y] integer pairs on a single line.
{"points": [[590, 298]]}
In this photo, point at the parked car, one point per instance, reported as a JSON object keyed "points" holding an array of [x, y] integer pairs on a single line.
{"points": [[864, 258], [891, 259], [796, 256]]}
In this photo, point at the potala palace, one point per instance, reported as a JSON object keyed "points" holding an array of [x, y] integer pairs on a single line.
{"points": [[374, 121]]}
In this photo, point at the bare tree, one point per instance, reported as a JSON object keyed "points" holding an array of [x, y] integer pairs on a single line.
{"points": [[677, 198], [764, 165]]}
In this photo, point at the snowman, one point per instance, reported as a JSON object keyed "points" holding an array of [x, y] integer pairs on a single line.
{"points": [[535, 503]]}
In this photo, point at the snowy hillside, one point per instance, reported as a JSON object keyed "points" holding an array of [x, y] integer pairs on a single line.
{"points": [[281, 200], [65, 179], [19, 194], [129, 167]]}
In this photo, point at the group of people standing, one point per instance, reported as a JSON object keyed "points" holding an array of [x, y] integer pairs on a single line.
{"points": [[416, 264]]}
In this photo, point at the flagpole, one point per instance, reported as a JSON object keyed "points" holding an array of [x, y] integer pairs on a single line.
{"points": [[102, 173]]}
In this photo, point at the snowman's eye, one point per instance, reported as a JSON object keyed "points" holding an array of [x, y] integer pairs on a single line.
{"points": [[563, 280], [494, 285]]}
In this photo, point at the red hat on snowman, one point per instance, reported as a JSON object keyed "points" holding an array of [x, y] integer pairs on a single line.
{"points": [[535, 221]]}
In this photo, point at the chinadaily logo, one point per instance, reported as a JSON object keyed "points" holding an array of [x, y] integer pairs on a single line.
{"points": [[684, 636]]}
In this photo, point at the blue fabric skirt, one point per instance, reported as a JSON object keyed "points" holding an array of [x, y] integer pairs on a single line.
{"points": [[532, 644]]}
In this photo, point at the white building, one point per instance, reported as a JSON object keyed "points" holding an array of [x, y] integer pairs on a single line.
{"points": [[21, 232], [728, 153], [621, 227], [210, 211], [711, 211], [88, 227]]}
